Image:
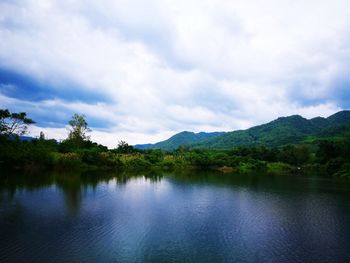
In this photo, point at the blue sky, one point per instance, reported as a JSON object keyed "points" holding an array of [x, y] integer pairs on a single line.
{"points": [[143, 70]]}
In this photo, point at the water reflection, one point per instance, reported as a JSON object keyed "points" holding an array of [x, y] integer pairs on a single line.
{"points": [[71, 184], [160, 217]]}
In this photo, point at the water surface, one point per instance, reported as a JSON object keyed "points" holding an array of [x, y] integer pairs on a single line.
{"points": [[202, 217]]}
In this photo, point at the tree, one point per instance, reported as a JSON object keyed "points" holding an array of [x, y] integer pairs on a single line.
{"points": [[79, 128], [295, 154], [124, 147], [326, 151], [14, 124], [154, 156], [42, 136]]}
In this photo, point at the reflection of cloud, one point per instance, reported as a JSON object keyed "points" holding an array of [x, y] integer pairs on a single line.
{"points": [[157, 68]]}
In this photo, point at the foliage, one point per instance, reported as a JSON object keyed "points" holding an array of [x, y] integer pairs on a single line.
{"points": [[295, 155], [154, 156], [278, 133], [137, 164], [283, 131], [67, 161], [124, 147], [167, 164], [329, 156], [344, 170], [78, 128], [178, 140], [13, 124], [279, 168], [108, 160]]}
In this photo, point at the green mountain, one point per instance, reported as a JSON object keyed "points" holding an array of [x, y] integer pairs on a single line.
{"points": [[285, 130], [282, 131], [182, 138]]}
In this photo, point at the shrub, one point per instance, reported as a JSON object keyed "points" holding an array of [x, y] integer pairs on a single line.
{"points": [[154, 156], [167, 164], [344, 170], [137, 164], [109, 160], [67, 161]]}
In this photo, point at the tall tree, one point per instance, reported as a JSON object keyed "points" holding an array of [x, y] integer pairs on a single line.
{"points": [[79, 128], [14, 124], [124, 147], [42, 136]]}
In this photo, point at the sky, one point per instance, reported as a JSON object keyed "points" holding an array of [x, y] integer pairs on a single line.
{"points": [[141, 71]]}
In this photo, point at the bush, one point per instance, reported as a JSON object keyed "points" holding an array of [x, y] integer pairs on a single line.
{"points": [[259, 166], [67, 161], [279, 168], [333, 166], [344, 170], [199, 159], [108, 160], [219, 159], [90, 156], [167, 164], [137, 164], [154, 156]]}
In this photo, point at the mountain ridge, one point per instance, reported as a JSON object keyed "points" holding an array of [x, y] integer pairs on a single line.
{"points": [[276, 133], [282, 131], [179, 139]]}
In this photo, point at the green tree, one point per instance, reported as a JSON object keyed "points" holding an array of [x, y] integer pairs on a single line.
{"points": [[124, 147], [326, 151], [14, 124], [154, 156], [78, 128], [42, 136], [295, 154]]}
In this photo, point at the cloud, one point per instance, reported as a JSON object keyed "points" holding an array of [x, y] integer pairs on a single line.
{"points": [[145, 70]]}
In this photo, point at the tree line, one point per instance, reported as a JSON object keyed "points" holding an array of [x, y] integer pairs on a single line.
{"points": [[77, 151]]}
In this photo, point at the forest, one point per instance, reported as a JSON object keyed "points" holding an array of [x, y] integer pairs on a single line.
{"points": [[323, 156]]}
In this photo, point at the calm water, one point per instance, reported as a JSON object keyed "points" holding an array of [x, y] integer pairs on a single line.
{"points": [[205, 217]]}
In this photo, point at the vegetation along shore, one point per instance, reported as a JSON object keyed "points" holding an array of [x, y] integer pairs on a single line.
{"points": [[288, 145]]}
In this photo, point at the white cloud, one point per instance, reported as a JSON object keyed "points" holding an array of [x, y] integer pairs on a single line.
{"points": [[109, 139], [168, 66]]}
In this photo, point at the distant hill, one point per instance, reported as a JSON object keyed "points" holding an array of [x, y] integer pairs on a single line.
{"points": [[282, 131], [182, 138], [26, 138]]}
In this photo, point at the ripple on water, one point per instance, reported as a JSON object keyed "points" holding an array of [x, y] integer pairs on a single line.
{"points": [[187, 222]]}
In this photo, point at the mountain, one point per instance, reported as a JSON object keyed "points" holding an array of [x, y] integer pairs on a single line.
{"points": [[26, 138], [182, 138], [339, 118], [21, 138], [282, 131]]}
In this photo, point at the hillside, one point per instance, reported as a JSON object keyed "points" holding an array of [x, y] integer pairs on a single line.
{"points": [[282, 131], [182, 138]]}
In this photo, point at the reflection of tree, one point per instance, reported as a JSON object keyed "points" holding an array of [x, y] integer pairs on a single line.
{"points": [[73, 200], [71, 187], [94, 178], [71, 184], [12, 215], [12, 181], [154, 177], [124, 178]]}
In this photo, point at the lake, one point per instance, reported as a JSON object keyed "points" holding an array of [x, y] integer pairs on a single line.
{"points": [[188, 217]]}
